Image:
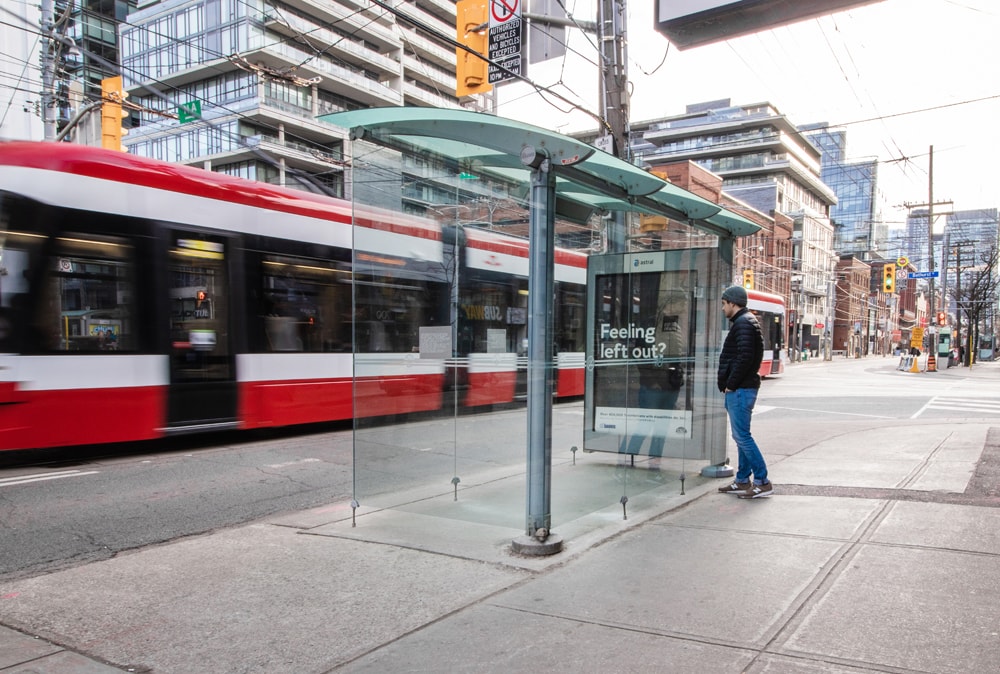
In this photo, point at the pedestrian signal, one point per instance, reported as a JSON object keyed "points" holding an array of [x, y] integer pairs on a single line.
{"points": [[889, 278], [748, 279]]}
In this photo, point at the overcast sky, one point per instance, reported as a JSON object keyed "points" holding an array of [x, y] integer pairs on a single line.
{"points": [[900, 75]]}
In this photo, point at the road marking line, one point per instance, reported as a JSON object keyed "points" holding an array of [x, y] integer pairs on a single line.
{"points": [[965, 408], [291, 463], [970, 403], [921, 410], [42, 477], [850, 414]]}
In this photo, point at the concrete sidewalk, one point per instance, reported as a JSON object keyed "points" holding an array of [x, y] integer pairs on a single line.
{"points": [[875, 555]]}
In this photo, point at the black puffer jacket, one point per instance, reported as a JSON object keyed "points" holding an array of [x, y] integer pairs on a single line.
{"points": [[741, 353]]}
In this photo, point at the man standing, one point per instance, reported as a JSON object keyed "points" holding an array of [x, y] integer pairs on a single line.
{"points": [[739, 379]]}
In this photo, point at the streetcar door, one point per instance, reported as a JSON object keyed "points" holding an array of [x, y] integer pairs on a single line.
{"points": [[202, 383]]}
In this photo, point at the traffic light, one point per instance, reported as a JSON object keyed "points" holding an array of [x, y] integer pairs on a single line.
{"points": [[748, 279], [942, 318], [889, 278], [472, 30], [112, 97]]}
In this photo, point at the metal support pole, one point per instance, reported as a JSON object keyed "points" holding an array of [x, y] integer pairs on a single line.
{"points": [[957, 334], [802, 307], [48, 70], [614, 108], [930, 242], [538, 539], [831, 313]]}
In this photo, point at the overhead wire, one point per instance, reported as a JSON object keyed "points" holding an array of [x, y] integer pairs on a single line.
{"points": [[421, 26], [21, 78]]}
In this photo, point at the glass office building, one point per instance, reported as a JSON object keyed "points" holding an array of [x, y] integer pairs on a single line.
{"points": [[856, 222]]}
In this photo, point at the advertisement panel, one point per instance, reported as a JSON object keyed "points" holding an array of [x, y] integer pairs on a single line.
{"points": [[655, 327]]}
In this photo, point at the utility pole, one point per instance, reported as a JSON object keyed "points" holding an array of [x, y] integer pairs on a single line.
{"points": [[48, 69], [930, 241], [930, 230], [831, 313], [611, 25]]}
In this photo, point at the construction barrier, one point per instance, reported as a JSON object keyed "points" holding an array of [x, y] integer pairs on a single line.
{"points": [[909, 364]]}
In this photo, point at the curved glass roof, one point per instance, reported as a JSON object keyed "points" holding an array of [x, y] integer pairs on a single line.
{"points": [[584, 175]]}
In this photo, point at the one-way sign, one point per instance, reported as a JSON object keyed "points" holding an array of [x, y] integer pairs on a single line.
{"points": [[504, 39]]}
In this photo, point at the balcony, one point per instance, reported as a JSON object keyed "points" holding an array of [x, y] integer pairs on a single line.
{"points": [[428, 74], [412, 92], [289, 25], [299, 154], [427, 49], [348, 83], [362, 24]]}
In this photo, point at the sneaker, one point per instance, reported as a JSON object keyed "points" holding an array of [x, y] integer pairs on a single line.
{"points": [[758, 491], [735, 488]]}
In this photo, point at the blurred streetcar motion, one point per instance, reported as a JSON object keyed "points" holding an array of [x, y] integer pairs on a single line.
{"points": [[770, 311], [140, 298]]}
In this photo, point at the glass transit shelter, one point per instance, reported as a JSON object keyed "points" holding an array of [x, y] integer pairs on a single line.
{"points": [[504, 377]]}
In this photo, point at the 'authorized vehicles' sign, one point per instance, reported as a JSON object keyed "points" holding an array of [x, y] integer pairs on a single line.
{"points": [[504, 39]]}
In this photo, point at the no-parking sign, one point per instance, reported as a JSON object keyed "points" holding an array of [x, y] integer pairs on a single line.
{"points": [[504, 39]]}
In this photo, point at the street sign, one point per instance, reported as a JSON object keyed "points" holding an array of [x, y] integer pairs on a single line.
{"points": [[189, 112], [606, 143], [922, 274], [504, 39]]}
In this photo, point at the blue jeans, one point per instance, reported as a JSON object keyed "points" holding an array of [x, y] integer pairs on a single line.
{"points": [[739, 405]]}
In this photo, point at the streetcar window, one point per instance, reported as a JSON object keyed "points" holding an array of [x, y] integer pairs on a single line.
{"points": [[86, 296], [484, 311], [571, 317], [305, 304], [770, 328], [17, 249], [391, 310]]}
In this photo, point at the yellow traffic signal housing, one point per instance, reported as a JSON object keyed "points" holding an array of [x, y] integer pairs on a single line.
{"points": [[748, 279], [113, 95], [889, 278], [472, 30], [652, 223]]}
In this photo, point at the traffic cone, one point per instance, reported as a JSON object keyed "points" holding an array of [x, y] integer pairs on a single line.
{"points": [[915, 364], [931, 363]]}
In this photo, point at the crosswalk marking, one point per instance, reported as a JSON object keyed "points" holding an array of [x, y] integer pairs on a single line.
{"points": [[987, 406], [42, 477]]}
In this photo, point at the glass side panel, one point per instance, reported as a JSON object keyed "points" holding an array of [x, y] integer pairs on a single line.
{"points": [[440, 290]]}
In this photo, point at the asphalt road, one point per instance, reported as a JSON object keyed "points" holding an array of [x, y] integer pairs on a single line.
{"points": [[61, 509]]}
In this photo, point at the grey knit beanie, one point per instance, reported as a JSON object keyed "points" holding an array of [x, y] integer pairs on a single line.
{"points": [[735, 295]]}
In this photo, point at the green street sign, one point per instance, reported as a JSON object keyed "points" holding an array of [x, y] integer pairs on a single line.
{"points": [[189, 112]]}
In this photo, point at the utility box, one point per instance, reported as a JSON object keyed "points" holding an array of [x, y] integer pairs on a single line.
{"points": [[944, 342]]}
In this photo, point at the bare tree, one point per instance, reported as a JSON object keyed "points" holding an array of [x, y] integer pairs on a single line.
{"points": [[977, 295]]}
